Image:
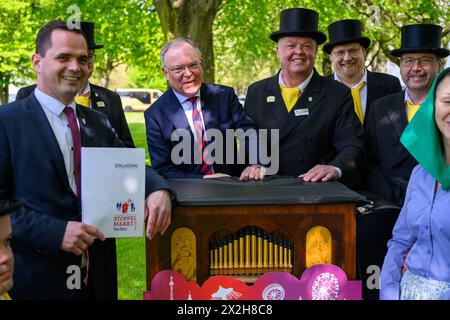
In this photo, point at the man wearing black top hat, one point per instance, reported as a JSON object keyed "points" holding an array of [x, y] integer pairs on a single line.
{"points": [[320, 137], [347, 49], [388, 161], [96, 97], [6, 255]]}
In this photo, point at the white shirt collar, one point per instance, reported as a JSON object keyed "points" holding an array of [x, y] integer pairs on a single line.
{"points": [[87, 89], [408, 98], [302, 85], [183, 98], [51, 104]]}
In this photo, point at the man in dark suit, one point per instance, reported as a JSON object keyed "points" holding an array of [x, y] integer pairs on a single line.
{"points": [[96, 97], [389, 163], [40, 138], [195, 108], [347, 49], [320, 138]]}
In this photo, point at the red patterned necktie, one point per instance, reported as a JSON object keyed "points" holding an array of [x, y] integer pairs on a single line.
{"points": [[76, 139], [200, 141]]}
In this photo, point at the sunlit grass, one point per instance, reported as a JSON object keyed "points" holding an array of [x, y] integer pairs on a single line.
{"points": [[131, 251]]}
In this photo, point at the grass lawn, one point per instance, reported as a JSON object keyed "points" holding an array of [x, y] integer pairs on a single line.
{"points": [[131, 251]]}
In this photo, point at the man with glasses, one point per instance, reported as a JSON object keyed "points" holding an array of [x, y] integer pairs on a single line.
{"points": [[191, 108], [347, 49], [389, 163], [96, 97], [320, 137]]}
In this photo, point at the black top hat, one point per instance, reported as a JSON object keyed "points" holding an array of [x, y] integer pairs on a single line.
{"points": [[88, 30], [8, 208], [424, 37], [345, 31], [299, 22]]}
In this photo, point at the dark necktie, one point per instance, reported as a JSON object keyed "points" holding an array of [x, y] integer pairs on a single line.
{"points": [[200, 141], [76, 139]]}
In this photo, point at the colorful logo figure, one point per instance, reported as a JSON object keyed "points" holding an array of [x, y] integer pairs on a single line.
{"points": [[126, 207], [225, 294]]}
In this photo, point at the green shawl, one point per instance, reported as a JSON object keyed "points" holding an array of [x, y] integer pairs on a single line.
{"points": [[422, 139]]}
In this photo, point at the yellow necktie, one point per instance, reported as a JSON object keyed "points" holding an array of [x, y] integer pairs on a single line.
{"points": [[5, 296], [357, 101], [290, 96], [84, 100], [411, 110]]}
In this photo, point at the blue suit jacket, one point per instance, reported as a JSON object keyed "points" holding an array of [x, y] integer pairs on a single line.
{"points": [[221, 110], [32, 168]]}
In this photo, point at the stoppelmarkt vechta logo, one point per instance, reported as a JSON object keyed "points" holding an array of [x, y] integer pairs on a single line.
{"points": [[125, 217], [126, 207]]}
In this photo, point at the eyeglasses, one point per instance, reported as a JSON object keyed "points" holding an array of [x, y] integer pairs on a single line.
{"points": [[423, 61], [352, 52], [193, 66]]}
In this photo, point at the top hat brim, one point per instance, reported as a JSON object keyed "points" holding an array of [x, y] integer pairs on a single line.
{"points": [[364, 41], [316, 35], [440, 52], [95, 46], [11, 208]]}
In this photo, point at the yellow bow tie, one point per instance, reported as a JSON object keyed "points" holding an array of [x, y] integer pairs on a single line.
{"points": [[290, 96], [357, 101], [84, 100], [411, 110]]}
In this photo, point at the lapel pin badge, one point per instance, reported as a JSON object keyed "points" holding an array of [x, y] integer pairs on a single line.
{"points": [[100, 104], [310, 99], [83, 120], [270, 99]]}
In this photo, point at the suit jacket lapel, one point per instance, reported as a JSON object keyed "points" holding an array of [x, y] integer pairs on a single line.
{"points": [[174, 112], [308, 101], [53, 151], [373, 86], [210, 107], [95, 99], [84, 126], [397, 114], [275, 101]]}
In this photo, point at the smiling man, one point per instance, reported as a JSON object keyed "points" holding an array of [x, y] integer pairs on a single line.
{"points": [[93, 96], [40, 142], [420, 58], [320, 137], [347, 49], [195, 108]]}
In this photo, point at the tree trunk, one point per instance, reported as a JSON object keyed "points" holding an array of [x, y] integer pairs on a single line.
{"points": [[106, 73], [192, 19], [326, 66], [4, 88]]}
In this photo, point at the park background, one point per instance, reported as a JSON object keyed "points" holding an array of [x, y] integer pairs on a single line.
{"points": [[233, 36]]}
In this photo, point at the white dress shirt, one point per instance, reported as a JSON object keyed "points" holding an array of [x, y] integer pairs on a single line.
{"points": [[59, 123]]}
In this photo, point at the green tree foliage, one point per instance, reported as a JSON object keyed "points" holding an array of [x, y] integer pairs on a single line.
{"points": [[16, 31], [244, 52], [233, 34], [129, 30]]}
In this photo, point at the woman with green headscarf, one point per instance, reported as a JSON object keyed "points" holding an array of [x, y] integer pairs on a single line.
{"points": [[417, 265]]}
